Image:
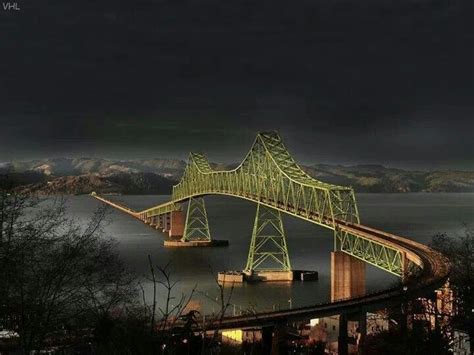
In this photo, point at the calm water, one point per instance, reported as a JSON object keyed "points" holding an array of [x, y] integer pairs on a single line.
{"points": [[417, 216]]}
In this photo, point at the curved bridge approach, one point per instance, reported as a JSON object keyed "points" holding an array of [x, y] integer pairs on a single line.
{"points": [[270, 177]]}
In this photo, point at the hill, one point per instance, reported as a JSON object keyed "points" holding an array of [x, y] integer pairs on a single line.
{"points": [[156, 176]]}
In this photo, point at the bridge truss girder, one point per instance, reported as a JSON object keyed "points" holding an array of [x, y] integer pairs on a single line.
{"points": [[377, 254], [269, 176], [159, 210]]}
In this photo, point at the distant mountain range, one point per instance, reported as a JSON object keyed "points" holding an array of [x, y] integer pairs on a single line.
{"points": [[84, 175], [156, 176]]}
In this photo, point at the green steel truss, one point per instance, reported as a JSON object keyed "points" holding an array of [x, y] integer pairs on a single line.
{"points": [[196, 227], [268, 250], [159, 210], [270, 177], [375, 253]]}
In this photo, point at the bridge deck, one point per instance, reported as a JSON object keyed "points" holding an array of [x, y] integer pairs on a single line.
{"points": [[116, 205]]}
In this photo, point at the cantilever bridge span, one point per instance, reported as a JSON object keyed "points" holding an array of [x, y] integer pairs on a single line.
{"points": [[271, 178]]}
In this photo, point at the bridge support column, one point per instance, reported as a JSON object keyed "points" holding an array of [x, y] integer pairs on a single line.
{"points": [[362, 327], [153, 221], [194, 229], [176, 228], [197, 226], [342, 340], [267, 335], [166, 222], [274, 340], [347, 276], [279, 340], [268, 252], [159, 224]]}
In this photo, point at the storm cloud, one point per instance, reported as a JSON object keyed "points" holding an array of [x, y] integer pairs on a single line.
{"points": [[343, 81]]}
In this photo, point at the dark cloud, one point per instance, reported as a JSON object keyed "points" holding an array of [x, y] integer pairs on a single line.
{"points": [[344, 81]]}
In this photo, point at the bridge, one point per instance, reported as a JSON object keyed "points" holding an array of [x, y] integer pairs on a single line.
{"points": [[270, 177]]}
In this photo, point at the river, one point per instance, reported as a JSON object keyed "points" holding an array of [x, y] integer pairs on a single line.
{"points": [[418, 216]]}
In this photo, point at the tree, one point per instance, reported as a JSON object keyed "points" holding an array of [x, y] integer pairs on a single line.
{"points": [[419, 340], [55, 274], [459, 249]]}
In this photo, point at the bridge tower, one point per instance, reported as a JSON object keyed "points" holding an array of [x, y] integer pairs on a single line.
{"points": [[268, 256], [196, 227], [195, 230]]}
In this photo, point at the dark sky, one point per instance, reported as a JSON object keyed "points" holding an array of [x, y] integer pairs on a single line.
{"points": [[344, 81]]}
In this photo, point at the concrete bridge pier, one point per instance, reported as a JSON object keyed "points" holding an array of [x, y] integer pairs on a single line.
{"points": [[362, 327], [274, 340], [191, 230], [348, 281], [176, 228], [342, 340], [154, 221], [280, 340], [171, 223], [347, 276], [159, 224], [359, 318], [267, 335], [166, 223]]}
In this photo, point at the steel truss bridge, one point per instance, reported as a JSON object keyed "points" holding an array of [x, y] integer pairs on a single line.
{"points": [[270, 177]]}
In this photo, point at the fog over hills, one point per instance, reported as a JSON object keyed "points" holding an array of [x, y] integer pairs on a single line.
{"points": [[156, 176]]}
